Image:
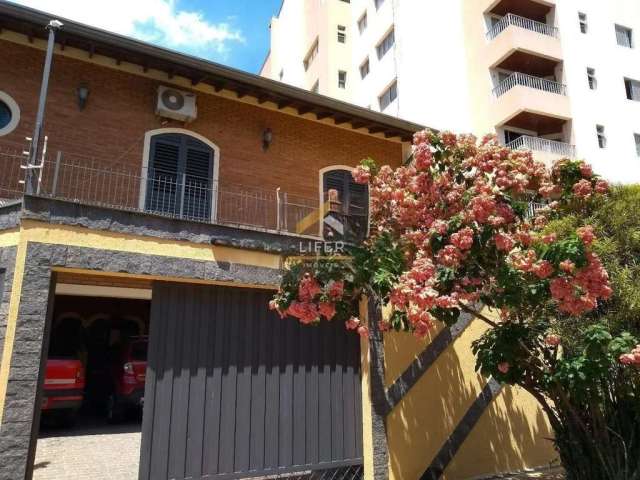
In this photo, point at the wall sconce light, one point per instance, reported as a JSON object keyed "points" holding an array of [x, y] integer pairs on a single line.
{"points": [[82, 93], [267, 138]]}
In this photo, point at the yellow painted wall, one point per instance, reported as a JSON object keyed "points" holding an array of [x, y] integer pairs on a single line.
{"points": [[511, 435], [38, 232]]}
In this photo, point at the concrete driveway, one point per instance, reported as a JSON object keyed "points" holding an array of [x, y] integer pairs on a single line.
{"points": [[91, 450]]}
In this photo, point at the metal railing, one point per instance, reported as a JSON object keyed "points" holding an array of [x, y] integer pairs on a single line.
{"points": [[517, 78], [538, 144], [122, 186], [517, 21]]}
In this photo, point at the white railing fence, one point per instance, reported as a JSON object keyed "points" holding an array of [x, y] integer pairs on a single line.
{"points": [[517, 21], [525, 80], [538, 144]]}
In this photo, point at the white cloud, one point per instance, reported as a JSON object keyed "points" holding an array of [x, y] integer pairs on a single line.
{"points": [[158, 21]]}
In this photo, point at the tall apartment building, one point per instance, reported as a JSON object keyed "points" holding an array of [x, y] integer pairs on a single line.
{"points": [[561, 77]]}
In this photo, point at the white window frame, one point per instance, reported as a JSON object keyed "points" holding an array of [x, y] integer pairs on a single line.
{"points": [[601, 136], [379, 47], [626, 33], [146, 152], [15, 113], [583, 22], [592, 79], [363, 23], [342, 84], [365, 65], [632, 87], [387, 91]]}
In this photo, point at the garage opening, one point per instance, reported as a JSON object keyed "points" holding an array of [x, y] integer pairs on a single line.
{"points": [[93, 392], [180, 381]]}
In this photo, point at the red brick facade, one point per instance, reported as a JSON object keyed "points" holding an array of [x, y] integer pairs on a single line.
{"points": [[120, 110]]}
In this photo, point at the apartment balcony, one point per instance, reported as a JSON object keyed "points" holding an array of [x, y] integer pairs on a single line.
{"points": [[522, 38], [544, 150], [119, 186], [531, 103]]}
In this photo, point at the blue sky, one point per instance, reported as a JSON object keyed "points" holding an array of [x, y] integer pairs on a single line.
{"points": [[232, 32]]}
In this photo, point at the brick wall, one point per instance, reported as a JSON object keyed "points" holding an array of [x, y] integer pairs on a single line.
{"points": [[121, 109]]}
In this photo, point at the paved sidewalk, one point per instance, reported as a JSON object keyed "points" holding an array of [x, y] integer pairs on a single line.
{"points": [[96, 453]]}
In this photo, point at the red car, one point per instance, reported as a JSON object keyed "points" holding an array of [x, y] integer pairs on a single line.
{"points": [[128, 371], [64, 383]]}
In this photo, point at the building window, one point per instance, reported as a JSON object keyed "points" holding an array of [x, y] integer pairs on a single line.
{"points": [[9, 114], [311, 54], [362, 23], [346, 212], [386, 44], [316, 87], [364, 69], [180, 177], [342, 34], [388, 96], [342, 79], [591, 77], [624, 36], [346, 1], [602, 138], [633, 89], [584, 26], [378, 3], [636, 136]]}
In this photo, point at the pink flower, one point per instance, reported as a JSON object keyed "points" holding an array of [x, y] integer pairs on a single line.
{"points": [[421, 329], [273, 305], [504, 367], [543, 269], [585, 170], [567, 266], [352, 323], [305, 312], [586, 234], [327, 310], [308, 288], [601, 187], [361, 174], [423, 156], [582, 189], [463, 239], [627, 359], [552, 340], [336, 289], [363, 331], [504, 242], [449, 256], [550, 238]]}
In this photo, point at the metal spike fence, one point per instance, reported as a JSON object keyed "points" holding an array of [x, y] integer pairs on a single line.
{"points": [[115, 185]]}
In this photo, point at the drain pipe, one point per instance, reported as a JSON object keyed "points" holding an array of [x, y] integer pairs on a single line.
{"points": [[33, 164]]}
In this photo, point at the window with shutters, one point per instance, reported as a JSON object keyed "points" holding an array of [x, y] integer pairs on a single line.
{"points": [[180, 177], [346, 212]]}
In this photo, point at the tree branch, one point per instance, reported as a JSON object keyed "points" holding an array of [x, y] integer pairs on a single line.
{"points": [[477, 314]]}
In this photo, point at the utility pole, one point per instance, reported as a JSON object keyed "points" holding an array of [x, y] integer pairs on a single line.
{"points": [[31, 179]]}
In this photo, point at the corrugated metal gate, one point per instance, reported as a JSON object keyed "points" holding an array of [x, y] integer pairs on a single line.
{"points": [[233, 391]]}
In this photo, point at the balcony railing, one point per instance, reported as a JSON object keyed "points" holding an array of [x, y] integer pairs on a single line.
{"points": [[122, 186], [529, 81], [538, 144], [514, 20]]}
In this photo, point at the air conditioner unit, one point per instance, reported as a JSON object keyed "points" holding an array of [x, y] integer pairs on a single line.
{"points": [[176, 104]]}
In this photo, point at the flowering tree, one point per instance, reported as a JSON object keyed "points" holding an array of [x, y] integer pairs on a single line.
{"points": [[464, 227]]}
